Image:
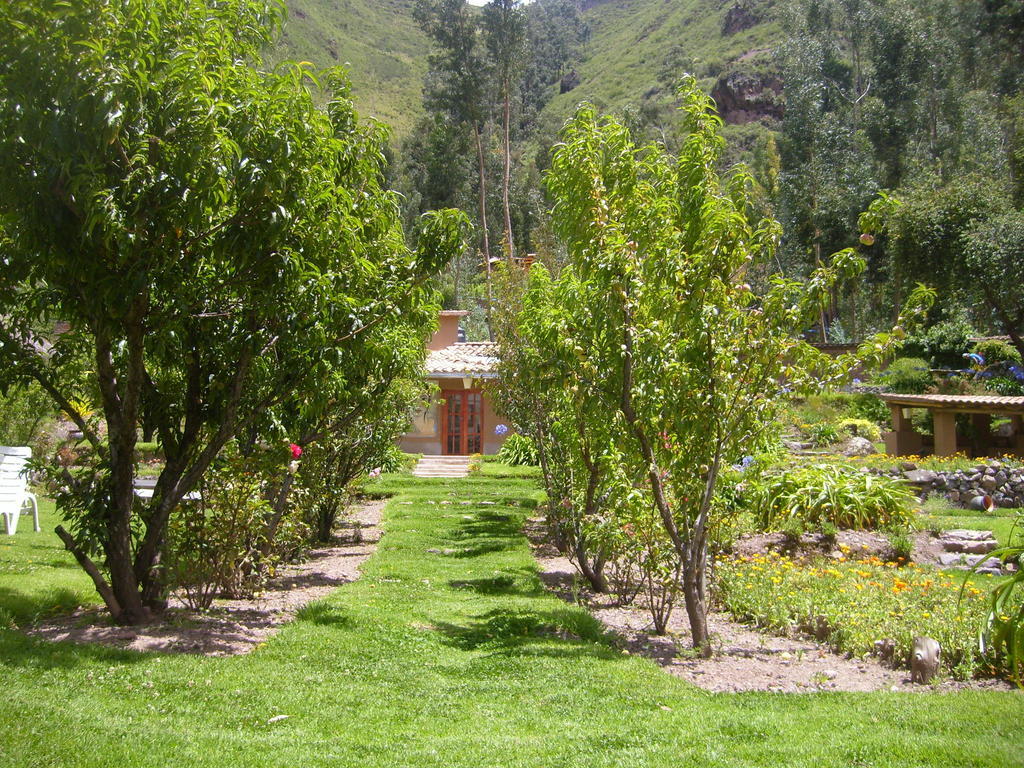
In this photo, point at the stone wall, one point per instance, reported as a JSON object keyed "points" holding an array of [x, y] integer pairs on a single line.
{"points": [[1004, 484]]}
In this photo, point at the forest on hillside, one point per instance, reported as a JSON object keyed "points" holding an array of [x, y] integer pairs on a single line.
{"points": [[912, 108]]}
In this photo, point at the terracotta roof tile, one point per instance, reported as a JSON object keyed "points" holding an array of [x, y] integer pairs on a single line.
{"points": [[1013, 404], [467, 357]]}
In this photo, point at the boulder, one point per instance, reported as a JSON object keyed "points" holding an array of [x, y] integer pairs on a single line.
{"points": [[738, 18], [858, 446], [744, 97], [968, 542], [568, 82], [920, 476]]}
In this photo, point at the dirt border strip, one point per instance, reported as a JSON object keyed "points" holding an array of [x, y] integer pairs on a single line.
{"points": [[745, 659], [234, 627]]}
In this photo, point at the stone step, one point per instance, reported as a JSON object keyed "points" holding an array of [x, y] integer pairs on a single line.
{"points": [[442, 466]]}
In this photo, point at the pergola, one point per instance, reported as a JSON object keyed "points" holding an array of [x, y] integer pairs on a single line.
{"points": [[903, 440]]}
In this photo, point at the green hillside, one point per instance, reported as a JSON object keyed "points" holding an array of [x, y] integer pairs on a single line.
{"points": [[379, 39], [638, 48]]}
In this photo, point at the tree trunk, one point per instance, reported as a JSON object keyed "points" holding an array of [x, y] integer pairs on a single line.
{"points": [[693, 595], [483, 222], [593, 572], [509, 248]]}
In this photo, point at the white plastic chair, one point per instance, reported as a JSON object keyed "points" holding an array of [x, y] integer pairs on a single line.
{"points": [[15, 498]]}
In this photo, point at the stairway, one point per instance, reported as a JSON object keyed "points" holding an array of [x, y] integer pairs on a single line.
{"points": [[442, 466]]}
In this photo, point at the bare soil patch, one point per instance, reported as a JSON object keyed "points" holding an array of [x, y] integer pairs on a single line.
{"points": [[846, 545], [745, 659], [235, 626]]}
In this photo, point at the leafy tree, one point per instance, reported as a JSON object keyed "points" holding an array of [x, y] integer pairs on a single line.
{"points": [[994, 260], [666, 333], [216, 239]]}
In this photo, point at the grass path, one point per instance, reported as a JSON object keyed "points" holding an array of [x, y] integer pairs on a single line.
{"points": [[448, 652]]}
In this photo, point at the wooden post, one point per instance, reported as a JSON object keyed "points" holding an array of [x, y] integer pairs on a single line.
{"points": [[945, 432]]}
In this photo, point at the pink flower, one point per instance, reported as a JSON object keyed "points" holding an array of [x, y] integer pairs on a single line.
{"points": [[296, 450]]}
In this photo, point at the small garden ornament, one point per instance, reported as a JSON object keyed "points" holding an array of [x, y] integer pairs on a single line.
{"points": [[924, 660]]}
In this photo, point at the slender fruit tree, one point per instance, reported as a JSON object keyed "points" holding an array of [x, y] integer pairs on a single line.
{"points": [[213, 238], [655, 304]]}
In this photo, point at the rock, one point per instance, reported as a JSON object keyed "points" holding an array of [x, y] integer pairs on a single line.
{"points": [[738, 18], [908, 466], [969, 547], [745, 98], [966, 533], [989, 483], [963, 561], [1001, 478], [830, 674], [885, 649], [568, 82], [858, 446], [920, 476], [924, 659]]}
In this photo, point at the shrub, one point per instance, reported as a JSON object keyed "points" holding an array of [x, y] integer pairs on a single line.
{"points": [[870, 407], [1004, 385], [393, 460], [908, 375], [24, 413], [220, 545], [820, 493], [943, 344], [860, 428], [823, 433], [519, 451], [995, 351]]}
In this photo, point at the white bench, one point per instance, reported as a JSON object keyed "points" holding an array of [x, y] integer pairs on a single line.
{"points": [[15, 498]]}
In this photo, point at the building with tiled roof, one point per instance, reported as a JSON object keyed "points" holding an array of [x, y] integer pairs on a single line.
{"points": [[459, 418], [477, 358]]}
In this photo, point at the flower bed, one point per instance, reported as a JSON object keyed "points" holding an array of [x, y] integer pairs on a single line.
{"points": [[854, 603]]}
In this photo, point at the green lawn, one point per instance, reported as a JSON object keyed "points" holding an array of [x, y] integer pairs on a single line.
{"points": [[37, 575], [1001, 522], [455, 657]]}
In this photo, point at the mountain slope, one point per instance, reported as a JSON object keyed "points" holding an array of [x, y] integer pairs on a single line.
{"points": [[638, 49], [378, 39]]}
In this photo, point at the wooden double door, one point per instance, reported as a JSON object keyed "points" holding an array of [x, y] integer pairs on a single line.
{"points": [[462, 422]]}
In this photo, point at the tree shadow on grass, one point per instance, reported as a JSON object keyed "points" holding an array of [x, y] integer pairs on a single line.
{"points": [[23, 607], [522, 582], [19, 650], [324, 614], [529, 632], [489, 531]]}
